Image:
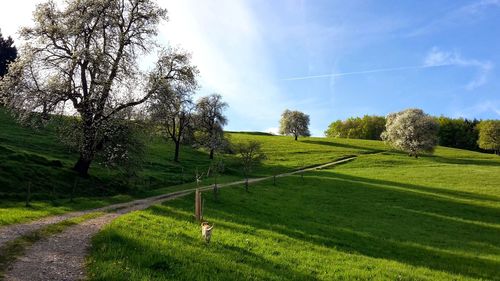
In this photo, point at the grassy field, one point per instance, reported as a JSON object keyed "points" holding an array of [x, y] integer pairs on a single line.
{"points": [[383, 216], [380, 217], [36, 158]]}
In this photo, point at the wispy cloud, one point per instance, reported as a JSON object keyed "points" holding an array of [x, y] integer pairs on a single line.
{"points": [[436, 57], [377, 70], [464, 14], [488, 107]]}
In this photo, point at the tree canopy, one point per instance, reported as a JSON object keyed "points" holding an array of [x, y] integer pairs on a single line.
{"points": [[171, 111], [367, 127], [489, 135], [85, 54], [459, 133], [294, 123], [412, 131], [210, 121]]}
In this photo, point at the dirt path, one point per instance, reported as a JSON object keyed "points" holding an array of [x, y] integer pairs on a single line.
{"points": [[11, 232], [62, 256]]}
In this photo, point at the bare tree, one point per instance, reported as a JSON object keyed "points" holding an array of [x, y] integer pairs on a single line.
{"points": [[251, 154], [412, 131], [294, 123], [171, 108], [210, 121], [86, 53]]}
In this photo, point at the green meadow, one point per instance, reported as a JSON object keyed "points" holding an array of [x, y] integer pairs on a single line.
{"points": [[36, 158], [383, 216]]}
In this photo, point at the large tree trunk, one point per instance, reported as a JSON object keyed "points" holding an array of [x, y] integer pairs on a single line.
{"points": [[211, 154], [87, 151], [177, 148], [296, 137], [82, 165]]}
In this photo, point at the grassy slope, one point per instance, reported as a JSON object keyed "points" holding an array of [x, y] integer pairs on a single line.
{"points": [[27, 157], [381, 217]]}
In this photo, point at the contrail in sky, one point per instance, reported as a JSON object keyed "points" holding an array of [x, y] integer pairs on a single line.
{"points": [[364, 72]]}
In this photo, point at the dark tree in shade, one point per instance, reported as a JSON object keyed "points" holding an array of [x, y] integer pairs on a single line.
{"points": [[8, 53]]}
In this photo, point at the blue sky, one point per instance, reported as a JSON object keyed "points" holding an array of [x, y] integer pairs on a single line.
{"points": [[336, 59]]}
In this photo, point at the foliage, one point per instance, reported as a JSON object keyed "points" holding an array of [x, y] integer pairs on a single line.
{"points": [[210, 121], [170, 109], [120, 144], [35, 155], [8, 53], [458, 133], [489, 135], [250, 154], [412, 131], [294, 123], [368, 127], [380, 217], [85, 54]]}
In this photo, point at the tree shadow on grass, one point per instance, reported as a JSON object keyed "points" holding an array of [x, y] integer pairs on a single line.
{"points": [[466, 161], [343, 145], [380, 219]]}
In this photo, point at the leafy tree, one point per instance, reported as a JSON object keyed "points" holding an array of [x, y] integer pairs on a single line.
{"points": [[459, 133], [367, 127], [8, 53], [294, 123], [85, 54], [120, 144], [210, 121], [171, 108], [412, 131], [251, 154], [489, 135]]}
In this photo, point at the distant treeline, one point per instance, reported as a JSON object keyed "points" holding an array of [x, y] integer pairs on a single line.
{"points": [[453, 132]]}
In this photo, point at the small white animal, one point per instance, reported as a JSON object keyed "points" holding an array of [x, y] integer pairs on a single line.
{"points": [[206, 231]]}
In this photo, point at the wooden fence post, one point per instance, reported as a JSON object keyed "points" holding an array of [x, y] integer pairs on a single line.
{"points": [[197, 205], [216, 191]]}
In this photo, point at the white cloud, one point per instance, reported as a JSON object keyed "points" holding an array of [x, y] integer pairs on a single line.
{"points": [[488, 107], [225, 39], [273, 130], [436, 57]]}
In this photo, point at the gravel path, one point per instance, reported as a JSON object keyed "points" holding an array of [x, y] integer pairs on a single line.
{"points": [[62, 256], [12, 232]]}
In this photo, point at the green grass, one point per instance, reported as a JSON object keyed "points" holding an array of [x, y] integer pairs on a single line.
{"points": [[36, 158], [382, 216]]}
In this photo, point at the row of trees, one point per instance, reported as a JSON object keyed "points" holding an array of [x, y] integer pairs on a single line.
{"points": [[459, 133], [83, 57], [177, 118], [366, 127]]}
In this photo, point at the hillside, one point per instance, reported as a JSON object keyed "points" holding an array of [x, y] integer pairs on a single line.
{"points": [[380, 217], [36, 158]]}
